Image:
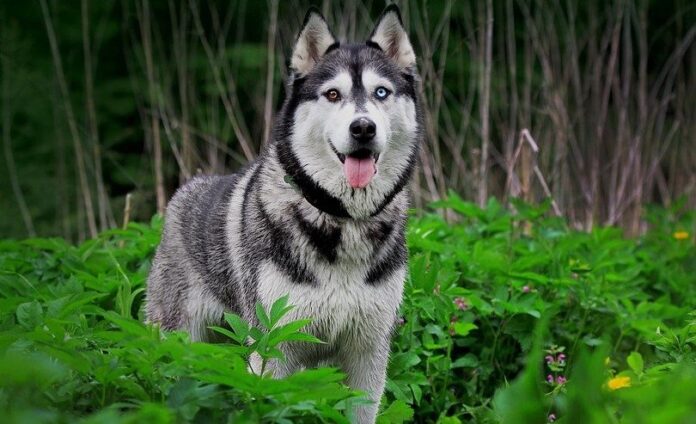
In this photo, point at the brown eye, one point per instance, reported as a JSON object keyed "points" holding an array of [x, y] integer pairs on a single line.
{"points": [[333, 95]]}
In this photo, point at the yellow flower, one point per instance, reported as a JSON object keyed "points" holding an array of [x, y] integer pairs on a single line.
{"points": [[619, 383], [680, 235]]}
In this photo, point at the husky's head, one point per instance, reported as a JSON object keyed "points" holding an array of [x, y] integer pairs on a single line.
{"points": [[349, 130]]}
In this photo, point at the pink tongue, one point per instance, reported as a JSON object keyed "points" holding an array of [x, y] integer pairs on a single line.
{"points": [[359, 172]]}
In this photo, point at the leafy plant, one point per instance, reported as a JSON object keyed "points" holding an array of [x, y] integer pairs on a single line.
{"points": [[73, 346], [508, 316], [264, 340]]}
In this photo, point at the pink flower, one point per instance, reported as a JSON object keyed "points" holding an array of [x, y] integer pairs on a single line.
{"points": [[561, 357], [549, 359], [461, 303], [526, 289], [560, 380], [552, 418], [549, 379]]}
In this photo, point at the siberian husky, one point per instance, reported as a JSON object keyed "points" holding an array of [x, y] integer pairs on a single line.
{"points": [[319, 216]]}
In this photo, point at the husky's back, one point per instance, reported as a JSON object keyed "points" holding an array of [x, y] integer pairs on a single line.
{"points": [[319, 216]]}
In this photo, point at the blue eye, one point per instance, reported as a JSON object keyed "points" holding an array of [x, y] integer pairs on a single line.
{"points": [[382, 93]]}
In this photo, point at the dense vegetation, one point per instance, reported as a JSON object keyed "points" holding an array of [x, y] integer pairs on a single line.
{"points": [[507, 317]]}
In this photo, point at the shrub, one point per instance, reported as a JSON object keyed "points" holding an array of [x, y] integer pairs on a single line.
{"points": [[507, 317]]}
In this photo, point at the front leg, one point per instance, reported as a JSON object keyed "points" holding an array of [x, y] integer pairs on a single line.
{"points": [[367, 371]]}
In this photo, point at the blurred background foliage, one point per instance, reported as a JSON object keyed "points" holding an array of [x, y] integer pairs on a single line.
{"points": [[101, 99]]}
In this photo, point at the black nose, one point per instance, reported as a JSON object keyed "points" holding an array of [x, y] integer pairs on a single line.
{"points": [[363, 130]]}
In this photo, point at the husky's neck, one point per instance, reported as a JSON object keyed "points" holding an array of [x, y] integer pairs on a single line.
{"points": [[303, 183]]}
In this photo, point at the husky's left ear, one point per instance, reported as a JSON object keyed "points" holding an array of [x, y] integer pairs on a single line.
{"points": [[314, 41], [390, 36]]}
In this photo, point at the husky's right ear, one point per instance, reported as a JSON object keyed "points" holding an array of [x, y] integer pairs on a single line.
{"points": [[390, 36], [314, 40]]}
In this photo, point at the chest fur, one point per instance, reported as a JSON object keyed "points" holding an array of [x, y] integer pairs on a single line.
{"points": [[343, 309]]}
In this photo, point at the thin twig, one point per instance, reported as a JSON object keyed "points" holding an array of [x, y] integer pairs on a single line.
{"points": [[485, 104], [127, 211], [102, 196], [270, 70], [146, 36], [7, 141], [72, 123], [243, 141], [526, 136]]}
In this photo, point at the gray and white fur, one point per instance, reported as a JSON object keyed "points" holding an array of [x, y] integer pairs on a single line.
{"points": [[293, 222]]}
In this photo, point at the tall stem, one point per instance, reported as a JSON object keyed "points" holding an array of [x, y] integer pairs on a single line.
{"points": [[7, 145], [270, 71], [485, 105], [146, 34], [102, 197], [72, 123]]}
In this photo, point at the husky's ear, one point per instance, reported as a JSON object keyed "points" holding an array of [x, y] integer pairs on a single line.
{"points": [[390, 36], [314, 40]]}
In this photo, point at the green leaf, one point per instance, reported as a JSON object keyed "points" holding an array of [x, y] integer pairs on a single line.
{"points": [[279, 334], [279, 309], [262, 316], [464, 328], [239, 326], [523, 400], [635, 361], [261, 345], [303, 337], [466, 361], [126, 324], [30, 314], [397, 413], [274, 352], [256, 334], [227, 333], [417, 393]]}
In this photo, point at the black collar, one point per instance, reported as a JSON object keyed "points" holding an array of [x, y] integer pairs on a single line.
{"points": [[318, 196], [310, 190]]}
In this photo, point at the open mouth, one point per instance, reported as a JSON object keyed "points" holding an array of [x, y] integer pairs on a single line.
{"points": [[358, 154], [358, 166]]}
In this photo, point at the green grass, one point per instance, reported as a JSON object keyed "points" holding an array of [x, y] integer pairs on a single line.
{"points": [[496, 305]]}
